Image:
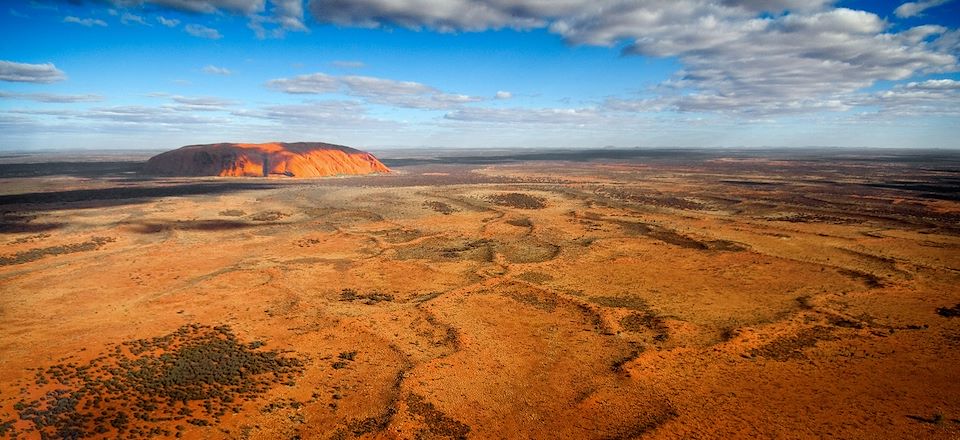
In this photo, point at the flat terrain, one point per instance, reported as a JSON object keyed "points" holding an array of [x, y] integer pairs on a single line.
{"points": [[604, 294]]}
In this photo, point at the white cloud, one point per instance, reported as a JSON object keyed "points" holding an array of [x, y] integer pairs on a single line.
{"points": [[575, 116], [202, 103], [51, 97], [88, 22], [201, 31], [503, 95], [214, 70], [406, 94], [34, 73], [347, 64], [914, 9], [333, 114], [745, 56], [128, 18], [168, 22]]}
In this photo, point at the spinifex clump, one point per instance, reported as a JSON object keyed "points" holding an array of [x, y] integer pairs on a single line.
{"points": [[141, 387]]}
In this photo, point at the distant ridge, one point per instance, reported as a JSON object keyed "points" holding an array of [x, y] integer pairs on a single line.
{"points": [[299, 159]]}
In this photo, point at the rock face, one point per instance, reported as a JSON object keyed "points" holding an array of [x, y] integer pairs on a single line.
{"points": [[300, 159]]}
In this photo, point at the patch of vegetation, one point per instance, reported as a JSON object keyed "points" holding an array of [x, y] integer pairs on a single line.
{"points": [[527, 250], [869, 279], [949, 312], [232, 213], [439, 425], [195, 375], [617, 365], [518, 200], [535, 277], [36, 254], [426, 297], [367, 298], [440, 207], [623, 302], [524, 222], [791, 347], [29, 238], [669, 236], [646, 321], [268, 216], [537, 300]]}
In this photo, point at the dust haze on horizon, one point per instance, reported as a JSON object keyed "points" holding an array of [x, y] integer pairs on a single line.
{"points": [[150, 74]]}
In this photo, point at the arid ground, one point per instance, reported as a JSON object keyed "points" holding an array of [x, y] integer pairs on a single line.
{"points": [[606, 294]]}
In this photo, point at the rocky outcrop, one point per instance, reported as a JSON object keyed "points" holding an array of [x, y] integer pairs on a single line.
{"points": [[300, 159]]}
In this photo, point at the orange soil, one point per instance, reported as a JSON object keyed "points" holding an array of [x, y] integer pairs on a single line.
{"points": [[640, 302]]}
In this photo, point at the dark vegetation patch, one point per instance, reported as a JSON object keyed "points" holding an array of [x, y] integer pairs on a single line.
{"points": [[399, 235], [369, 298], [30, 238], [949, 312], [268, 216], [344, 359], [623, 302], [38, 253], [518, 200], [617, 365], [646, 321], [535, 277], [520, 222], [791, 347], [538, 300], [438, 424], [527, 250], [440, 207], [232, 213], [815, 218], [447, 249], [644, 197], [426, 297], [644, 424], [672, 237], [194, 375], [869, 279]]}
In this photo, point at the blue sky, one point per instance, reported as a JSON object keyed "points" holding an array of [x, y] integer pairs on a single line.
{"points": [[479, 73]]}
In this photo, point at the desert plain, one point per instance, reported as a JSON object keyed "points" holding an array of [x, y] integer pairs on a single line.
{"points": [[608, 294]]}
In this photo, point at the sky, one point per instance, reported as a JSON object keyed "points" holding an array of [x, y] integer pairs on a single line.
{"points": [[379, 74]]}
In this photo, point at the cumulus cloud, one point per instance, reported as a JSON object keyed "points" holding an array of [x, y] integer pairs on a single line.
{"points": [[930, 97], [503, 95], [914, 9], [168, 22], [88, 22], [747, 56], [407, 94], [273, 17], [214, 70], [33, 73], [51, 97], [201, 31]]}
